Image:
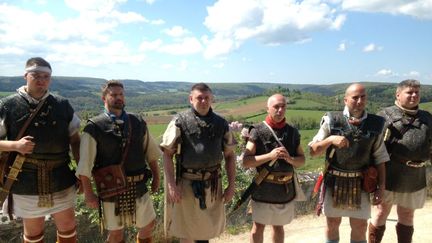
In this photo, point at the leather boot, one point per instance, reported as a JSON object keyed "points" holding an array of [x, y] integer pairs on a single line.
{"points": [[69, 236], [33, 239], [146, 240], [376, 233], [404, 233]]}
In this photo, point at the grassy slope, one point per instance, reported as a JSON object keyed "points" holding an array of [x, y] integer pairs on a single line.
{"points": [[256, 105]]}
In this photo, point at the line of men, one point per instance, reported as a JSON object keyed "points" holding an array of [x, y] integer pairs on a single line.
{"points": [[397, 142]]}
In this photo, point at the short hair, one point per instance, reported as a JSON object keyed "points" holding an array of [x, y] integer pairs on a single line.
{"points": [[109, 84], [201, 87], [37, 61], [411, 83]]}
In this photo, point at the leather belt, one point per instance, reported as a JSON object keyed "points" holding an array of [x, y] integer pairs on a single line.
{"points": [[50, 163], [136, 178], [415, 164], [345, 174], [279, 178]]}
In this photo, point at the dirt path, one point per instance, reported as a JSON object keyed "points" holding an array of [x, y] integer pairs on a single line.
{"points": [[310, 229]]}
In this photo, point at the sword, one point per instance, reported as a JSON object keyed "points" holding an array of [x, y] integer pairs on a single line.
{"points": [[253, 186], [14, 170]]}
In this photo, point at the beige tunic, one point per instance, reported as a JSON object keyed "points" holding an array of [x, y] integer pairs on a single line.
{"points": [[144, 212], [185, 219]]}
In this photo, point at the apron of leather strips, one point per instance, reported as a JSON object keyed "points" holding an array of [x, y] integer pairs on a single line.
{"points": [[347, 190], [44, 171], [125, 205]]}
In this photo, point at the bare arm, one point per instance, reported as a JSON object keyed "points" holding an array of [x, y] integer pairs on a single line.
{"points": [[74, 142], [378, 195], [298, 160], [250, 160], [154, 167], [320, 147], [90, 197], [231, 173], [173, 192], [23, 146]]}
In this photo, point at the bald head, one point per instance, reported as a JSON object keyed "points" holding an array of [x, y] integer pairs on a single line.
{"points": [[354, 88], [355, 99], [276, 106], [275, 98]]}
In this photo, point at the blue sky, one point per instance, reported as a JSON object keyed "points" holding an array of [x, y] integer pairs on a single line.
{"points": [[282, 41]]}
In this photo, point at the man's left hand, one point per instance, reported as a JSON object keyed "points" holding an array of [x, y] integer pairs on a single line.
{"points": [[378, 196], [228, 193], [155, 185]]}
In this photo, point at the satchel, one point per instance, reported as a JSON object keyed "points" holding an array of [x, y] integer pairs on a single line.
{"points": [[110, 181], [370, 179]]}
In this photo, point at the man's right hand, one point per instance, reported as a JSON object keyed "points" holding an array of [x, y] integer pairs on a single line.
{"points": [[25, 145], [174, 193], [340, 141], [91, 200]]}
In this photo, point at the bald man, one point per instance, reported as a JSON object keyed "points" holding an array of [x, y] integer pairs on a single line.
{"points": [[274, 140], [352, 141]]}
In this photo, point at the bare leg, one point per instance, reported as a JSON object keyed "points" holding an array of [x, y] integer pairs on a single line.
{"points": [[257, 233], [278, 234]]}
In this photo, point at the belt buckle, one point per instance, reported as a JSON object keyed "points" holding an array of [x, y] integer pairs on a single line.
{"points": [[413, 164]]}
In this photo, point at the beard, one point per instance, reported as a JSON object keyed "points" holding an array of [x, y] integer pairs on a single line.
{"points": [[117, 106]]}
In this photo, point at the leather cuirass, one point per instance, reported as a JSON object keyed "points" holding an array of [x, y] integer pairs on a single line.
{"points": [[410, 139], [111, 141], [361, 139], [265, 142], [50, 132], [49, 128], [202, 139]]}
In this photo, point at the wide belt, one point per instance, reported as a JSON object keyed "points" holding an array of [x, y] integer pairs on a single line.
{"points": [[44, 168], [415, 164], [136, 178], [49, 163], [200, 174], [279, 179], [345, 174]]}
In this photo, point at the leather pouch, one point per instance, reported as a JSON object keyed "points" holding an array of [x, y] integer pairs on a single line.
{"points": [[370, 179], [110, 181]]}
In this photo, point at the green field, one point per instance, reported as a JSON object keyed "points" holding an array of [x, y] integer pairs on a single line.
{"points": [[243, 102], [313, 114]]}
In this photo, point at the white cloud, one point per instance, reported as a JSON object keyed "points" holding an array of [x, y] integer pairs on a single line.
{"points": [[129, 17], [412, 74], [219, 65], [371, 48], [184, 46], [150, 1], [157, 22], [11, 50], [93, 56], [150, 45], [83, 40], [342, 47], [102, 6], [188, 45], [270, 22], [417, 8], [183, 65], [176, 31], [385, 72]]}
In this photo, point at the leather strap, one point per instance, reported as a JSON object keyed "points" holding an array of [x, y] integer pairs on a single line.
{"points": [[15, 168]]}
